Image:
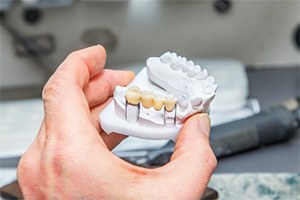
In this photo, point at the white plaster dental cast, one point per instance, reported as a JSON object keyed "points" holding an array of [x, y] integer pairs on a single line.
{"points": [[156, 103]]}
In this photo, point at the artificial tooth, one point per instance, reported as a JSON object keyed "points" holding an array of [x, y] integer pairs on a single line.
{"points": [[202, 74], [132, 109], [209, 81], [183, 59], [133, 95], [147, 98], [173, 55], [175, 63], [158, 102], [182, 62], [166, 58], [134, 89], [187, 65], [193, 71], [208, 101], [214, 87], [170, 103], [211, 88], [183, 102], [196, 101]]}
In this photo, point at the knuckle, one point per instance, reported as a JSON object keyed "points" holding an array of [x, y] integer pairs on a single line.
{"points": [[77, 56], [47, 91], [25, 170], [82, 62], [212, 160], [74, 55], [24, 165], [58, 161], [52, 88], [207, 156]]}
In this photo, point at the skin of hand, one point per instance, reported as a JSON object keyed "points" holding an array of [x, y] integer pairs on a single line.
{"points": [[71, 158]]}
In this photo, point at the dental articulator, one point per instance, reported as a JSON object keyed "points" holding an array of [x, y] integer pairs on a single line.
{"points": [[163, 94]]}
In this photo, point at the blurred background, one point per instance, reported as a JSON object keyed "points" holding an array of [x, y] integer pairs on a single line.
{"points": [[252, 48]]}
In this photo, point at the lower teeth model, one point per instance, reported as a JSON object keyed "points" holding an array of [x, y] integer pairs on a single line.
{"points": [[156, 103]]}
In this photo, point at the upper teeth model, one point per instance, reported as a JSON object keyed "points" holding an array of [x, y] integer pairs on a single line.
{"points": [[155, 104]]}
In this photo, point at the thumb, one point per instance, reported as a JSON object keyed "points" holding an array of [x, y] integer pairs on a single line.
{"points": [[193, 156], [195, 130]]}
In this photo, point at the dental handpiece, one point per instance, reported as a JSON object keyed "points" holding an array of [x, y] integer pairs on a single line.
{"points": [[278, 123]]}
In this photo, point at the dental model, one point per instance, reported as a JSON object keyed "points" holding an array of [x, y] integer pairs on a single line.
{"points": [[156, 103]]}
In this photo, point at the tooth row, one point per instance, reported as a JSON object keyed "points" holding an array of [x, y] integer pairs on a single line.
{"points": [[149, 99], [188, 67]]}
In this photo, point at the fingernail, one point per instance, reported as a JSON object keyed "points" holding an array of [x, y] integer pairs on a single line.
{"points": [[130, 77], [204, 123], [131, 74]]}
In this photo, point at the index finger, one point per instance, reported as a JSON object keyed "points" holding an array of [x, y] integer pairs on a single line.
{"points": [[65, 103], [82, 65]]}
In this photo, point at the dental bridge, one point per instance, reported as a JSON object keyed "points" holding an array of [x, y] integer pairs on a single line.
{"points": [[162, 95]]}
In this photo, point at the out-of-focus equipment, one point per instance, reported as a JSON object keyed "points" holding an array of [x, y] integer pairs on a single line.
{"points": [[276, 124], [30, 47]]}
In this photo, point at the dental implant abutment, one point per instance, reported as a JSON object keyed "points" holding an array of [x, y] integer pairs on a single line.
{"points": [[132, 106], [170, 111]]}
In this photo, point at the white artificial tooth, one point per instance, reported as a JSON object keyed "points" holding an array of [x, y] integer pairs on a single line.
{"points": [[193, 71], [186, 66], [180, 77], [202, 74], [211, 89], [183, 102], [182, 62], [173, 55], [209, 81], [175, 63], [166, 58], [179, 58], [196, 101], [214, 88], [208, 101]]}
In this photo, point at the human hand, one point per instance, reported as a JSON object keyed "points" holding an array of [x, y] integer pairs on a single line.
{"points": [[71, 159]]}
